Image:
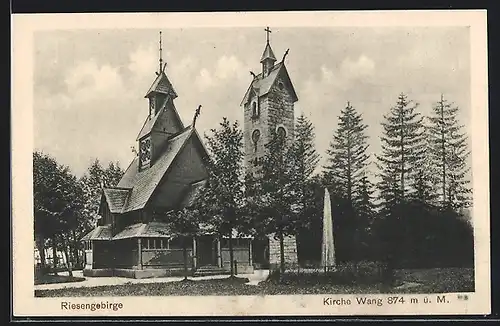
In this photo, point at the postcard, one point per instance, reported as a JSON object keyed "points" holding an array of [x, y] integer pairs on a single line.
{"points": [[250, 164]]}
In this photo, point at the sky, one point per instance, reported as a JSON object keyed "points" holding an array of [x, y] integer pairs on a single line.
{"points": [[89, 85]]}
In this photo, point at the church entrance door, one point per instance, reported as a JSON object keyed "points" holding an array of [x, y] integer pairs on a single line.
{"points": [[205, 251]]}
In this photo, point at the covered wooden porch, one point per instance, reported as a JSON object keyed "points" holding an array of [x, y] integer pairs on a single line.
{"points": [[147, 250]]}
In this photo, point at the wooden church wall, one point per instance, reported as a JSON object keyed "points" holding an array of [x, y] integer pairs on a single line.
{"points": [[187, 168]]}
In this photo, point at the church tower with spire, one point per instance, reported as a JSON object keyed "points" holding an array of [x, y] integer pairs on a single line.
{"points": [[162, 120], [268, 105]]}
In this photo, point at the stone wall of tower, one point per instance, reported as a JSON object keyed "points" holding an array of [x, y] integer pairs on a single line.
{"points": [[276, 108], [281, 109], [250, 125]]}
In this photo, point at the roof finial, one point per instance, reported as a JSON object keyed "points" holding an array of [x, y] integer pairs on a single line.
{"points": [[161, 58], [284, 55], [196, 114], [268, 31]]}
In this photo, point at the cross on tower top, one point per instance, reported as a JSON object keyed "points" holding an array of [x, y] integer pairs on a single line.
{"points": [[268, 31]]}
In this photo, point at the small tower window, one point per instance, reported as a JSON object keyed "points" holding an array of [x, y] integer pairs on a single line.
{"points": [[255, 110], [151, 106], [255, 138], [281, 132], [281, 86]]}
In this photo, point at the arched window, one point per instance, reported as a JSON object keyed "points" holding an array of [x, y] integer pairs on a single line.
{"points": [[255, 138], [281, 132]]}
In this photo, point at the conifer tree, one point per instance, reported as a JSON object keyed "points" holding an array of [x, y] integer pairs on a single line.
{"points": [[303, 148], [364, 198], [448, 149], [306, 159], [347, 164], [403, 151], [347, 154], [424, 185]]}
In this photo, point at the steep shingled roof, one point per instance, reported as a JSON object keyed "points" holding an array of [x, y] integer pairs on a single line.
{"points": [[99, 233], [143, 230], [162, 85], [116, 198], [149, 123], [268, 53], [261, 86], [143, 183]]}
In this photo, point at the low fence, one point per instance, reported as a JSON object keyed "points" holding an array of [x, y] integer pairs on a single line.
{"points": [[342, 273], [165, 257]]}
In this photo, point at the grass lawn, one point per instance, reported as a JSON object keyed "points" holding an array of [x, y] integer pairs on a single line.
{"points": [[438, 280], [430, 281], [51, 279]]}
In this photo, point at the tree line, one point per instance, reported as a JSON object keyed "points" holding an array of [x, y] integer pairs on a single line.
{"points": [[65, 207], [410, 211], [407, 212]]}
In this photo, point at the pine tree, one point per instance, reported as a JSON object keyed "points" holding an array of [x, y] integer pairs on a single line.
{"points": [[347, 154], [113, 174], [347, 164], [364, 198], [424, 192], [303, 148], [403, 151], [306, 160], [365, 212], [448, 148]]}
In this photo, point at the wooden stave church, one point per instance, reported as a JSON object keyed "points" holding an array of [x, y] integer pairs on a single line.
{"points": [[131, 238]]}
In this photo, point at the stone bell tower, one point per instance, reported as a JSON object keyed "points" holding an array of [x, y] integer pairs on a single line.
{"points": [[268, 107]]}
